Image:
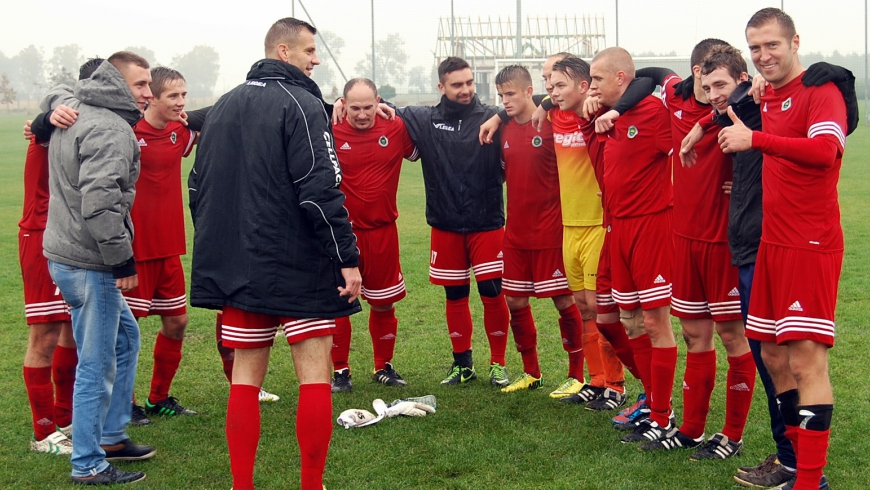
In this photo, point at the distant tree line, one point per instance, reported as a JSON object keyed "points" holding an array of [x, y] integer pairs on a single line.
{"points": [[29, 74]]}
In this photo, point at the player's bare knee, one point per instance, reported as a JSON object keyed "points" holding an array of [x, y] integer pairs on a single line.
{"points": [[516, 302], [632, 320], [733, 336], [698, 334], [563, 302], [775, 359], [174, 326]]}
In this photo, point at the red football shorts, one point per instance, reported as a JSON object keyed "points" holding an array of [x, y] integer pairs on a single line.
{"points": [[641, 256], [245, 330], [705, 282], [382, 280], [161, 289], [537, 273], [453, 254], [42, 300], [603, 292], [794, 295]]}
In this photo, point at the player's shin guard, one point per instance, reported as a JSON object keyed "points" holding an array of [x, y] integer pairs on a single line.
{"points": [[243, 433], [63, 371], [496, 319], [313, 431], [615, 334], [814, 433], [341, 334], [167, 358], [698, 384], [459, 324], [571, 328], [642, 348], [383, 327], [593, 354], [663, 365], [788, 407], [41, 395], [526, 339], [738, 398]]}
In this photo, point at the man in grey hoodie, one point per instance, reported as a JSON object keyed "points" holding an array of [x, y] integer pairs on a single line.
{"points": [[94, 166]]}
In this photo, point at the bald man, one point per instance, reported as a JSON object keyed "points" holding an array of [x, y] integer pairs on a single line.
{"points": [[637, 176]]}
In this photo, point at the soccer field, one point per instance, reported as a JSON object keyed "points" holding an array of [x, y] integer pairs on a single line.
{"points": [[479, 438]]}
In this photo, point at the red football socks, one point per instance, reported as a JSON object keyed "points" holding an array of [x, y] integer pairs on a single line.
{"points": [[313, 431], [571, 328], [663, 365], [341, 343], [459, 324], [496, 319], [383, 327], [526, 339], [642, 348], [698, 385], [738, 398], [41, 395], [63, 367], [243, 433], [167, 357]]}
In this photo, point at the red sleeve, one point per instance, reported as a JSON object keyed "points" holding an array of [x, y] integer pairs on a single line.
{"points": [[188, 139], [663, 135], [410, 149], [708, 122], [821, 151]]}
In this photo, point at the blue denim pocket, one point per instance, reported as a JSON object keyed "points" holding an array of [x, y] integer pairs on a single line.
{"points": [[71, 281]]}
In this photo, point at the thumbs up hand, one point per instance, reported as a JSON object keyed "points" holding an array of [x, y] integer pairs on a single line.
{"points": [[737, 137]]}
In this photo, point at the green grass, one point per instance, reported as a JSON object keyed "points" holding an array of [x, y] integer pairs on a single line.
{"points": [[478, 439]]}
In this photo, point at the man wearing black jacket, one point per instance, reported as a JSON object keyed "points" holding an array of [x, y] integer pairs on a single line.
{"points": [[273, 245]]}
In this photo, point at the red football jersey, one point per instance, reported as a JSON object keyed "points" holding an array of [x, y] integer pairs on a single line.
{"points": [[158, 211], [700, 204], [637, 163], [35, 212], [534, 216], [800, 202], [371, 161], [595, 145]]}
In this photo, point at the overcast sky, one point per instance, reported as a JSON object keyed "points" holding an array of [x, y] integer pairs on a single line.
{"points": [[236, 29]]}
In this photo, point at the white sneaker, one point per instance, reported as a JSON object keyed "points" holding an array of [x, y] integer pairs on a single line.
{"points": [[67, 431], [265, 396], [56, 443]]}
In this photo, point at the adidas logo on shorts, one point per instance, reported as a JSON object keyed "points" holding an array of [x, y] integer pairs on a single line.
{"points": [[558, 273], [739, 387], [734, 292], [796, 306], [345, 146], [659, 279], [506, 145], [500, 255]]}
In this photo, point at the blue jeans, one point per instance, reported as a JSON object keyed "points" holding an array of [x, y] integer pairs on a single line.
{"points": [[107, 342], [784, 449]]}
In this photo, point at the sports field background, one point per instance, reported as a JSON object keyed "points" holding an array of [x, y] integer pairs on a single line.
{"points": [[479, 438]]}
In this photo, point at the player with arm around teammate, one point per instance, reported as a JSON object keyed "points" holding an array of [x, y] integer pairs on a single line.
{"points": [[371, 150]]}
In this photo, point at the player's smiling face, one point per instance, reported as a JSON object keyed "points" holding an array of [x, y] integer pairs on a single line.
{"points": [[718, 85], [773, 54], [361, 103], [513, 97], [303, 54], [458, 86], [170, 104], [139, 81], [566, 93]]}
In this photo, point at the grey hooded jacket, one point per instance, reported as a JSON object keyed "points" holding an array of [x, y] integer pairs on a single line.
{"points": [[93, 167]]}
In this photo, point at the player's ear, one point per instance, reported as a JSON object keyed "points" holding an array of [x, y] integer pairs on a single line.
{"points": [[584, 86], [441, 88], [795, 43], [379, 99], [530, 91], [696, 70], [743, 77]]}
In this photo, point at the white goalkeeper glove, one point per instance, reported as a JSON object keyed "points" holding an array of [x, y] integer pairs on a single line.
{"points": [[357, 418], [407, 408]]}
